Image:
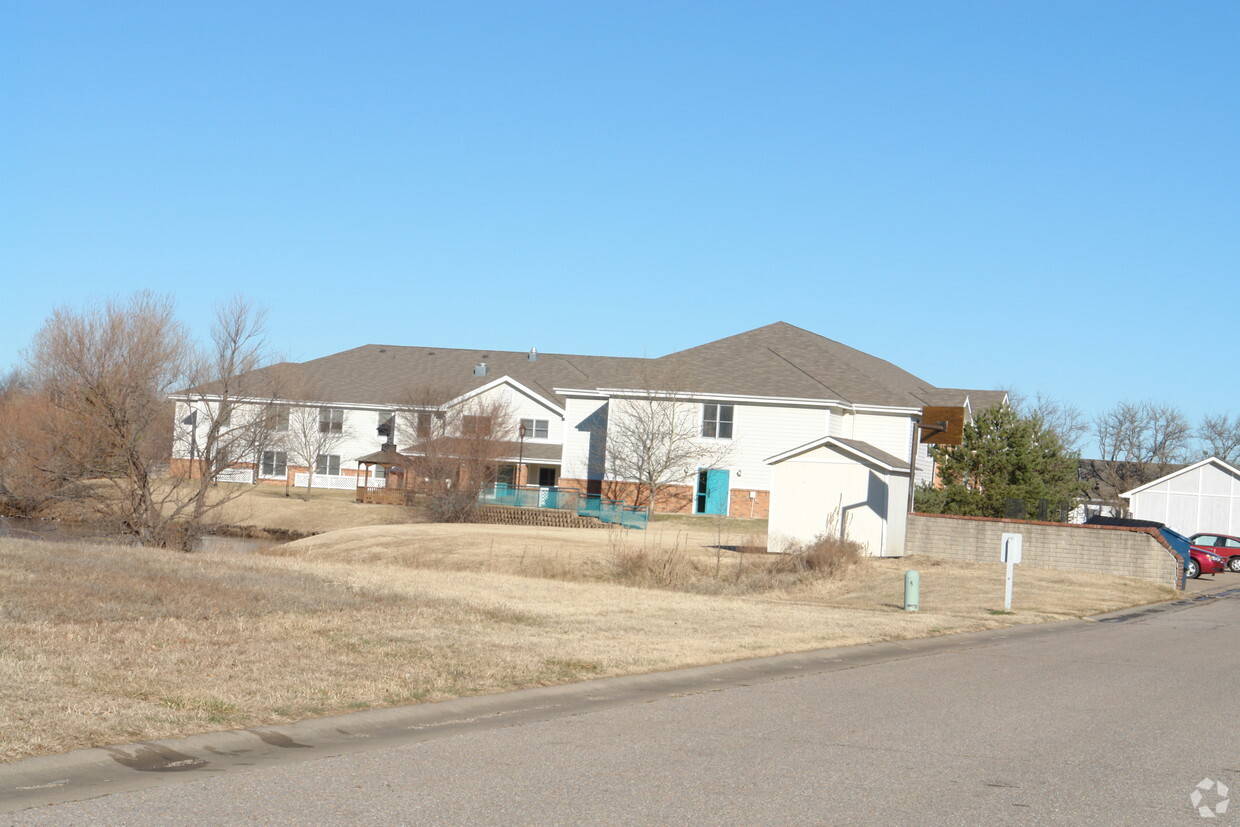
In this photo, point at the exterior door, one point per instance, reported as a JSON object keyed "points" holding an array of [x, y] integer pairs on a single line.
{"points": [[712, 491]]}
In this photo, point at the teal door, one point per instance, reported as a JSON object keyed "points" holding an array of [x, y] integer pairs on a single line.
{"points": [[712, 491]]}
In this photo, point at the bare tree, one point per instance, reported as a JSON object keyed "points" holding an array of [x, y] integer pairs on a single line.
{"points": [[456, 448], [1139, 443], [108, 373], [656, 439], [1060, 418], [313, 435], [229, 402], [34, 472], [1220, 436]]}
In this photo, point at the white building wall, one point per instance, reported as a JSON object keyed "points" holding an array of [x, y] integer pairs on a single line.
{"points": [[584, 438], [889, 432], [758, 431], [761, 431], [923, 465], [523, 406], [1204, 499]]}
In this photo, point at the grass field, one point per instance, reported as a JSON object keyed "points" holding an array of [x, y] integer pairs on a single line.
{"points": [[106, 645]]}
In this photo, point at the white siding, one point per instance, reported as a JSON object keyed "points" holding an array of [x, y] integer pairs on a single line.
{"points": [[584, 434], [889, 432], [522, 406], [758, 431], [1203, 499], [761, 431]]}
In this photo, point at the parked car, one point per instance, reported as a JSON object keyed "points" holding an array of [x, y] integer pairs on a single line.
{"points": [[1198, 560], [1223, 545]]}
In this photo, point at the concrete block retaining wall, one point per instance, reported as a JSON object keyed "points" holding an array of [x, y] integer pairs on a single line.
{"points": [[509, 515], [1132, 552]]}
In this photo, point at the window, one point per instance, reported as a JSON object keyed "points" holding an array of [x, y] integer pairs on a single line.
{"points": [[331, 420], [473, 425], [275, 464], [717, 421], [225, 414], [327, 465], [423, 423], [535, 428], [387, 425], [276, 418]]}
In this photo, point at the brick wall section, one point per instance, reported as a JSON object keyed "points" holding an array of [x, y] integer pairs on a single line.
{"points": [[547, 517], [1132, 552]]}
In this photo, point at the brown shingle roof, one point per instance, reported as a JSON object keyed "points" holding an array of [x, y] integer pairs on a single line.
{"points": [[783, 360], [778, 360]]}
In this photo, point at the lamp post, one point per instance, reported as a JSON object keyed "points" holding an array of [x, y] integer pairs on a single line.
{"points": [[520, 454]]}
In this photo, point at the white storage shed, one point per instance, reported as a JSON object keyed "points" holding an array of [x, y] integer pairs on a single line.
{"points": [[1202, 497], [834, 484]]}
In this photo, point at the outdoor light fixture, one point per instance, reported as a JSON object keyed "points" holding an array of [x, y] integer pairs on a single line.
{"points": [[520, 454]]}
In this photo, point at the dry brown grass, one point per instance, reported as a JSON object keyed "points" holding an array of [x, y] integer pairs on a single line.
{"points": [[105, 644], [266, 507]]}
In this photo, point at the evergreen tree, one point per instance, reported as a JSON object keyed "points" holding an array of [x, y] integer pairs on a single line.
{"points": [[1003, 456]]}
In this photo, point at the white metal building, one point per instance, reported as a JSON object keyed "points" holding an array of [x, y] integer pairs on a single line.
{"points": [[1204, 496]]}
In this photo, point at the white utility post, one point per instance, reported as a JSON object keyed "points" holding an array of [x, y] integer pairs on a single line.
{"points": [[1009, 552]]}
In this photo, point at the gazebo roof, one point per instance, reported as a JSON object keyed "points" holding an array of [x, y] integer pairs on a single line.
{"points": [[385, 456]]}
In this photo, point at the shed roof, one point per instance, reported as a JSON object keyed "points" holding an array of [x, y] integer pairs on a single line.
{"points": [[1215, 461], [856, 447]]}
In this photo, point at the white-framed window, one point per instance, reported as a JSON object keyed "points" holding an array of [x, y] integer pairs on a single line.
{"points": [[274, 464], [327, 464], [716, 421], [225, 414], [379, 471], [331, 420], [535, 428]]}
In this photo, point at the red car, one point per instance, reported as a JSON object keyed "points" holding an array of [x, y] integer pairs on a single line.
{"points": [[1198, 561], [1223, 545]]}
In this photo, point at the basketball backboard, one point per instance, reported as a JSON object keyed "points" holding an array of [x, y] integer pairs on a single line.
{"points": [[942, 426]]}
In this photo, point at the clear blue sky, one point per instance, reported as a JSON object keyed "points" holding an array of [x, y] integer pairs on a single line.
{"points": [[1043, 195]]}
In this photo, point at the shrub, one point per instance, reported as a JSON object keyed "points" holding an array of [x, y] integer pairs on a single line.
{"points": [[825, 555]]}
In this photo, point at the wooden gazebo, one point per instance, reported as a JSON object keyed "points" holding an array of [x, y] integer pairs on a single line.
{"points": [[395, 477]]}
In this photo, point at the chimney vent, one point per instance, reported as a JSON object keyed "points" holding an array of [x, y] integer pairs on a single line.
{"points": [[533, 357], [480, 369]]}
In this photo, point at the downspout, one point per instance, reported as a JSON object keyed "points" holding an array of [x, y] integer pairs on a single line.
{"points": [[912, 462]]}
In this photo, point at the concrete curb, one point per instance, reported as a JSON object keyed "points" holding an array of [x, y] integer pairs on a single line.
{"points": [[99, 771]]}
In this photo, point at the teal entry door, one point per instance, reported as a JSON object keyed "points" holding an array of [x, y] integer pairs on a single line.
{"points": [[712, 491]]}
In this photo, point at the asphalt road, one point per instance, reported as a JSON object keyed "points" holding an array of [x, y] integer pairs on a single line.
{"points": [[1113, 722]]}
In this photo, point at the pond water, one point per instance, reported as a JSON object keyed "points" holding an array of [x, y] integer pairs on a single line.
{"points": [[55, 532]]}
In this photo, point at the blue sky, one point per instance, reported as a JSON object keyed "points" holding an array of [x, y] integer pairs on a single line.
{"points": [[1039, 195]]}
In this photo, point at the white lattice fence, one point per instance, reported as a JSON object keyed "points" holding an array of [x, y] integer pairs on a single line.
{"points": [[235, 475], [342, 483]]}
